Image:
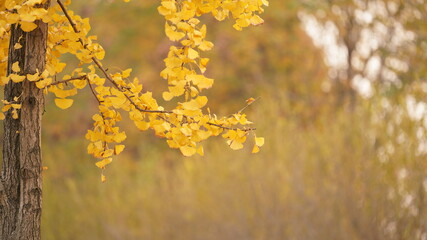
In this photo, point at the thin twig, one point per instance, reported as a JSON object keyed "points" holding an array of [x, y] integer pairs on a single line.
{"points": [[229, 128], [94, 93], [68, 80], [247, 105]]}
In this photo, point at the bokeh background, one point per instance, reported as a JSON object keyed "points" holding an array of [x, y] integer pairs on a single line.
{"points": [[342, 86]]}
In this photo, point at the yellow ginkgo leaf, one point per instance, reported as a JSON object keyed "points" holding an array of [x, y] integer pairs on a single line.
{"points": [[195, 104], [16, 78], [104, 162], [119, 137], [192, 54], [108, 153], [15, 67], [59, 67], [16, 105], [170, 5], [235, 145], [6, 108], [250, 100], [203, 63], [33, 77], [188, 151], [237, 27], [126, 73], [103, 178], [63, 103], [256, 20], [12, 18], [100, 54], [172, 34], [117, 102], [200, 81], [15, 114], [163, 11], [43, 83], [200, 151], [255, 149], [141, 125], [184, 26], [118, 149], [167, 96], [28, 26], [17, 46], [259, 141], [206, 46]]}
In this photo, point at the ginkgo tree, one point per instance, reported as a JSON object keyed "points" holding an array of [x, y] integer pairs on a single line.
{"points": [[34, 34]]}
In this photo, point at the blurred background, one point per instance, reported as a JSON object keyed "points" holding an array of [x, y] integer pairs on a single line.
{"points": [[342, 87]]}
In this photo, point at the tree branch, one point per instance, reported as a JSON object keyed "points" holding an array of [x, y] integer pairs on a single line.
{"points": [[64, 10], [104, 71], [108, 77]]}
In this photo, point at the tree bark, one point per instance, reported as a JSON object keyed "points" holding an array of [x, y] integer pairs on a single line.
{"points": [[21, 179]]}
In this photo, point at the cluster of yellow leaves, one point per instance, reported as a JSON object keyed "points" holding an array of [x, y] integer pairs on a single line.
{"points": [[184, 65], [183, 127]]}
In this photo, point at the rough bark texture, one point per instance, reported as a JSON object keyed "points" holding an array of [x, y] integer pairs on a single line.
{"points": [[21, 179]]}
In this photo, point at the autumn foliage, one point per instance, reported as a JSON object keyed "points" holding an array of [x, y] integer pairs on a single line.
{"points": [[185, 126]]}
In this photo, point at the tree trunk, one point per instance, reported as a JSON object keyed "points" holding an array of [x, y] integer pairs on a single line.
{"points": [[21, 179]]}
